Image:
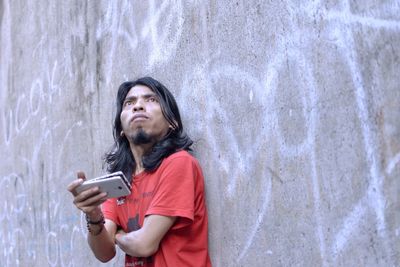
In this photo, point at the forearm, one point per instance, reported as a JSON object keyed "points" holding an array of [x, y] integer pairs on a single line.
{"points": [[102, 245], [101, 235], [132, 245], [145, 241]]}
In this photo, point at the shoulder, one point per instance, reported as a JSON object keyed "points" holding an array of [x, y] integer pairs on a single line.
{"points": [[181, 157]]}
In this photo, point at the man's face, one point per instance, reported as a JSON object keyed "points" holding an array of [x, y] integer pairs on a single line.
{"points": [[141, 117]]}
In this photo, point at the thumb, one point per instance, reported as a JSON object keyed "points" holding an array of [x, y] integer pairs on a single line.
{"points": [[81, 175]]}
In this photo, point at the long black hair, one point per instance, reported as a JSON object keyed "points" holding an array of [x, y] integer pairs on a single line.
{"points": [[120, 157]]}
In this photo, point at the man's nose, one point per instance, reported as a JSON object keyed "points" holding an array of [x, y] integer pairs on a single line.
{"points": [[138, 106]]}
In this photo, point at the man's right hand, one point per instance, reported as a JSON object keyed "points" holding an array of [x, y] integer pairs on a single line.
{"points": [[88, 201]]}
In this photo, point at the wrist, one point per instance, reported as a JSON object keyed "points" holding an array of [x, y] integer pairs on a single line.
{"points": [[95, 227], [94, 216], [96, 221]]}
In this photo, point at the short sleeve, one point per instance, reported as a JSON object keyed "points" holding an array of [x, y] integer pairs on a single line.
{"points": [[109, 208], [175, 193]]}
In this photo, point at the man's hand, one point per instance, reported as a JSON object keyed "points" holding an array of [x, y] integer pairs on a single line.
{"points": [[119, 234], [145, 241], [88, 201]]}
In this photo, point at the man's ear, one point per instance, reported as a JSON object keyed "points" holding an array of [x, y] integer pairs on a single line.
{"points": [[173, 125]]}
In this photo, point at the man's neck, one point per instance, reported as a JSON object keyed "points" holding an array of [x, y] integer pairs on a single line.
{"points": [[138, 151]]}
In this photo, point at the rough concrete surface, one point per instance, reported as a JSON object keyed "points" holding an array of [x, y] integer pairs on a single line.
{"points": [[294, 107]]}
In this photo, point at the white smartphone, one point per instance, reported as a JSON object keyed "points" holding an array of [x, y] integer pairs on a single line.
{"points": [[115, 184]]}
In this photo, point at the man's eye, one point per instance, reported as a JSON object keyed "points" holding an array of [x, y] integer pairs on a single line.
{"points": [[128, 103], [152, 99]]}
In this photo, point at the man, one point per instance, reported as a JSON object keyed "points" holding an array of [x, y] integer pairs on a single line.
{"points": [[163, 222]]}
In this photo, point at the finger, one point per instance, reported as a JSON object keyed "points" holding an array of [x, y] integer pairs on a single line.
{"points": [[73, 185], [101, 201], [81, 175], [88, 193], [93, 201], [90, 209]]}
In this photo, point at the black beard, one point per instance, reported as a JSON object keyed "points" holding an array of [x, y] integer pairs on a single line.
{"points": [[141, 138]]}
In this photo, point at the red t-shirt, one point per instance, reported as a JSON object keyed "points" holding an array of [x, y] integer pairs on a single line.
{"points": [[176, 188]]}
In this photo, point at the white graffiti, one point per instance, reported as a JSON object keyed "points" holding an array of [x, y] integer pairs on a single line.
{"points": [[158, 37], [237, 160], [374, 197]]}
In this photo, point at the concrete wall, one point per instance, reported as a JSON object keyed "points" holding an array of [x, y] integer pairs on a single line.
{"points": [[294, 107]]}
